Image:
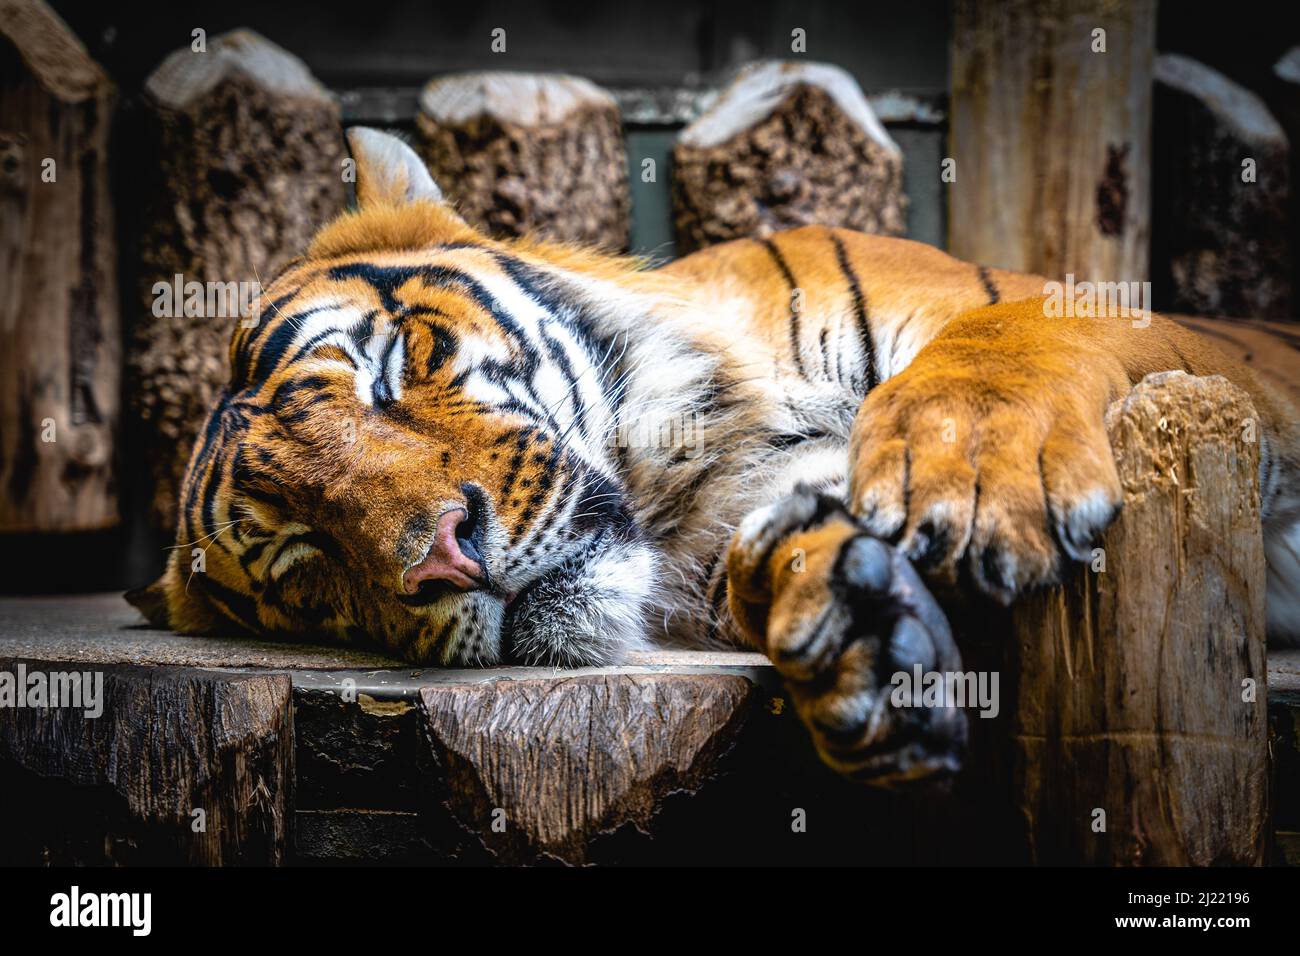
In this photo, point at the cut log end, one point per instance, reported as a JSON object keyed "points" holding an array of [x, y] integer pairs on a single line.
{"points": [[539, 769], [529, 153], [51, 51], [187, 76], [1230, 103], [522, 99], [757, 91], [1287, 67], [786, 144]]}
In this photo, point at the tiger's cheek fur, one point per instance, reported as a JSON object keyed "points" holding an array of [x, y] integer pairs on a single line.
{"points": [[468, 633], [593, 614]]}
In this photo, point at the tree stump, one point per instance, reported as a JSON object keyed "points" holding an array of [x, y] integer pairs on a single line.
{"points": [[59, 321], [538, 768], [1050, 136], [786, 144], [1140, 729], [1221, 244], [181, 766], [250, 152], [528, 153]]}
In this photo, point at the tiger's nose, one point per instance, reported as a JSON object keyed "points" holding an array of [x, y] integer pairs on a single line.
{"points": [[450, 558]]}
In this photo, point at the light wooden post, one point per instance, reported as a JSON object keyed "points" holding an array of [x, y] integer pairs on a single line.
{"points": [[1140, 727], [250, 154], [529, 153], [786, 144], [1051, 136], [59, 324]]}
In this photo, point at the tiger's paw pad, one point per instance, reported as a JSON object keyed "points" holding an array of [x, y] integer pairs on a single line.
{"points": [[847, 614]]}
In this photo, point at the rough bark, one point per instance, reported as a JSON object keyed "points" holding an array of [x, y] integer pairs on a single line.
{"points": [[528, 153], [59, 321], [1221, 243], [786, 144], [250, 154], [1142, 688], [377, 781], [1051, 139], [555, 763], [123, 787]]}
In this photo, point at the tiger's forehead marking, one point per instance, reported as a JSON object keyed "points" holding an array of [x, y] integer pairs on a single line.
{"points": [[371, 344], [511, 342]]}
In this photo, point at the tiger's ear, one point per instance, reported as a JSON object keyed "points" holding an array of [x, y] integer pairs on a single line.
{"points": [[389, 171]]}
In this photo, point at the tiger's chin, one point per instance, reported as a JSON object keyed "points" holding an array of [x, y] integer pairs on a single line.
{"points": [[590, 611]]}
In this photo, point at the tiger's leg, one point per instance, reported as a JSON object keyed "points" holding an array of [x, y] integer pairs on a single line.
{"points": [[839, 613]]}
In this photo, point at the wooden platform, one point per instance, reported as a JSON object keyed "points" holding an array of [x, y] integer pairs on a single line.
{"points": [[314, 754]]}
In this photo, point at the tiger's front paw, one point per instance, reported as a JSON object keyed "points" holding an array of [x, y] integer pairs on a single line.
{"points": [[1005, 477], [839, 613]]}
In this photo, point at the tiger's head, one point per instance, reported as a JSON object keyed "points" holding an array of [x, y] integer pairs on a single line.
{"points": [[414, 447]]}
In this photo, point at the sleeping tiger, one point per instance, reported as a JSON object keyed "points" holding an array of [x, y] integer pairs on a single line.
{"points": [[479, 451]]}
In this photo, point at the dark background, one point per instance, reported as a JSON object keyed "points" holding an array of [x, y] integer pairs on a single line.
{"points": [[886, 45]]}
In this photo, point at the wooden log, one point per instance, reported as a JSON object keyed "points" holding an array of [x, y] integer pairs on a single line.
{"points": [[1141, 688], [1221, 243], [59, 321], [178, 766], [1051, 139], [537, 769], [371, 785], [529, 153], [786, 144], [250, 151]]}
